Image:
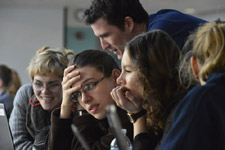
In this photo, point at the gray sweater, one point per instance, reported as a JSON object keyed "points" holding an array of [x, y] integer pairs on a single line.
{"points": [[29, 124]]}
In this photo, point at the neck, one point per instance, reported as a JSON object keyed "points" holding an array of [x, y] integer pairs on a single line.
{"points": [[139, 28], [202, 82]]}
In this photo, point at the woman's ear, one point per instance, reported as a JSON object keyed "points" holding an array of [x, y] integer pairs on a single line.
{"points": [[128, 24], [115, 73], [195, 67]]}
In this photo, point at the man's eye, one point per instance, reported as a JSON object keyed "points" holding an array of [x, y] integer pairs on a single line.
{"points": [[105, 35], [88, 87]]}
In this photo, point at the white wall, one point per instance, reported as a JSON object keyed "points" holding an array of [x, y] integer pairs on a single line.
{"points": [[214, 16], [25, 30]]}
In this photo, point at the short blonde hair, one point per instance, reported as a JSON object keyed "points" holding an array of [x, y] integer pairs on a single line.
{"points": [[48, 60], [209, 48]]}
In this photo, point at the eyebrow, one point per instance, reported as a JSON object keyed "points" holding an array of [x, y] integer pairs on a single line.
{"points": [[104, 34], [48, 82], [129, 66], [85, 81]]}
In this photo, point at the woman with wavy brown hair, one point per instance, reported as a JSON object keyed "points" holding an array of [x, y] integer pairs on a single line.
{"points": [[149, 86]]}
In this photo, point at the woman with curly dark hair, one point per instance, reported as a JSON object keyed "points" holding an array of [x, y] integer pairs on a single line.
{"points": [[149, 86]]}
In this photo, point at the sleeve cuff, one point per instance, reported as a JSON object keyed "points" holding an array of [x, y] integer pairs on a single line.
{"points": [[57, 121]]}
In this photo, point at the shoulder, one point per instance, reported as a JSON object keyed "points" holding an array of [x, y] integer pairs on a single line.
{"points": [[166, 12], [199, 97], [24, 93], [207, 91], [174, 16], [26, 89], [5, 97], [189, 99], [213, 94]]}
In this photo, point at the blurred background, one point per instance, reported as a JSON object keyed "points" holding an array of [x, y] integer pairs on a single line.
{"points": [[28, 25]]}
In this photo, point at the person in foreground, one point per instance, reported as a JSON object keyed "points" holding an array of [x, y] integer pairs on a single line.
{"points": [[149, 87], [115, 22], [87, 84], [199, 121], [33, 103]]}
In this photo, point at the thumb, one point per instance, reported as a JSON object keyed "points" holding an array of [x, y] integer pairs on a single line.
{"points": [[129, 96]]}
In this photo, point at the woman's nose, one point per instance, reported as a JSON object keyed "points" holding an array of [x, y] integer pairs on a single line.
{"points": [[45, 89], [85, 98], [120, 80]]}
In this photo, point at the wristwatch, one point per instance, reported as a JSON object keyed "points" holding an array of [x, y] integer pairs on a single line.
{"points": [[134, 116]]}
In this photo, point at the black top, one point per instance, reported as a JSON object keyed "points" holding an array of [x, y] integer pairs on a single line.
{"points": [[97, 133]]}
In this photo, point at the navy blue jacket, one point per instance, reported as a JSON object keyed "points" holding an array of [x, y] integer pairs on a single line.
{"points": [[178, 25], [199, 120], [7, 100]]}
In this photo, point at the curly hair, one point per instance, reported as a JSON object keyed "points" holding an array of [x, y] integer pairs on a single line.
{"points": [[157, 56], [115, 11]]}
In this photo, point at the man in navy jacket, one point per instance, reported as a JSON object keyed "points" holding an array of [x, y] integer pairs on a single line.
{"points": [[116, 22]]}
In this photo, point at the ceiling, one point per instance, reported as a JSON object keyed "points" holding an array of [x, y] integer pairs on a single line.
{"points": [[202, 7]]}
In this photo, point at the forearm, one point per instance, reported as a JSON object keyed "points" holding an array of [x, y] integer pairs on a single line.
{"points": [[60, 135], [66, 111], [143, 137]]}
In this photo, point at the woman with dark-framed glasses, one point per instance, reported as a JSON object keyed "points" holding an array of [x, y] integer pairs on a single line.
{"points": [[87, 84], [30, 118]]}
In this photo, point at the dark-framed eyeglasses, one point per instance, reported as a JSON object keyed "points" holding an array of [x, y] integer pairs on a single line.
{"points": [[77, 96], [53, 86]]}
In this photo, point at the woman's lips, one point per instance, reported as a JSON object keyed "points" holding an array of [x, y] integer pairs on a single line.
{"points": [[47, 100], [93, 108]]}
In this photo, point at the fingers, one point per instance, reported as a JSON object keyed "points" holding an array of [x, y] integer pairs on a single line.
{"points": [[69, 89], [68, 82], [125, 99], [135, 101], [69, 69], [118, 95], [71, 77], [69, 73], [114, 94]]}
